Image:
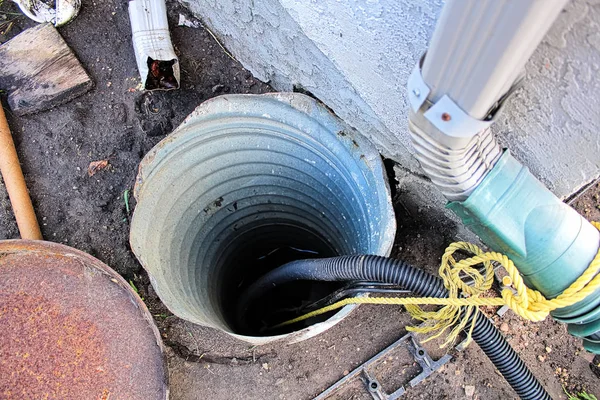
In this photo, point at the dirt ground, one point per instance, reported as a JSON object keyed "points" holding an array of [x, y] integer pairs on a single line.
{"points": [[89, 213]]}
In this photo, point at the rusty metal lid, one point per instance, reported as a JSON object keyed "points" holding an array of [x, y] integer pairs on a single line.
{"points": [[72, 328]]}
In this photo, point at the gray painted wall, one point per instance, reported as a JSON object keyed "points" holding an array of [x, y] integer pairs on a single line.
{"points": [[356, 55]]}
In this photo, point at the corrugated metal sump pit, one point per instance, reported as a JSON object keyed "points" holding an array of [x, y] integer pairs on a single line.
{"points": [[245, 184]]}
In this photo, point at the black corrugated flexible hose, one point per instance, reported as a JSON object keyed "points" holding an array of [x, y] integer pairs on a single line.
{"points": [[422, 283]]}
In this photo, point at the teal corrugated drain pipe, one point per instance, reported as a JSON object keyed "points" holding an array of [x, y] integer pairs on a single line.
{"points": [[473, 63], [549, 242], [512, 212]]}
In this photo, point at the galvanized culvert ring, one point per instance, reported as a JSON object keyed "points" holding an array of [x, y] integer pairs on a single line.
{"points": [[245, 172], [73, 329]]}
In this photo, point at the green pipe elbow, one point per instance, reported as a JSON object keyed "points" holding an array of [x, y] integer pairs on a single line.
{"points": [[549, 242]]}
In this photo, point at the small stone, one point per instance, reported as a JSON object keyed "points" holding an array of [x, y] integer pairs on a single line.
{"points": [[548, 349], [120, 113], [469, 390], [265, 366], [217, 88], [457, 372], [541, 358], [346, 372], [504, 327]]}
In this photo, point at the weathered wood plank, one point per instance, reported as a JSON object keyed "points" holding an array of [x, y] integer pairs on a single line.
{"points": [[39, 71]]}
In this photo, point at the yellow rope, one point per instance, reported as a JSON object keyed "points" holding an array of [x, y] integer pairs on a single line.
{"points": [[528, 303]]}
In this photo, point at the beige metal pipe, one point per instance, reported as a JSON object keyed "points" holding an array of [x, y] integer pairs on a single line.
{"points": [[15, 184]]}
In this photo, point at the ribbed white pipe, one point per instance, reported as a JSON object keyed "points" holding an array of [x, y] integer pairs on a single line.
{"points": [[152, 42], [455, 170]]}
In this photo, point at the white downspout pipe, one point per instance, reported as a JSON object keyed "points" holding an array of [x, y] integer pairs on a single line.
{"points": [[477, 53], [156, 59]]}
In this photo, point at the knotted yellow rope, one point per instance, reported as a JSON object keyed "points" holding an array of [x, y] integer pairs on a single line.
{"points": [[528, 303]]}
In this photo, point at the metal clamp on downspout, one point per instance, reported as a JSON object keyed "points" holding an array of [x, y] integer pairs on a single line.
{"points": [[455, 149], [444, 114]]}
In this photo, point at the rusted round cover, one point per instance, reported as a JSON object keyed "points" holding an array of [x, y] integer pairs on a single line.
{"points": [[72, 328]]}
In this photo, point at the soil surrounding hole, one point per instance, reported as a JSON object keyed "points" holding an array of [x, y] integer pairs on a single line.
{"points": [[261, 252], [57, 146]]}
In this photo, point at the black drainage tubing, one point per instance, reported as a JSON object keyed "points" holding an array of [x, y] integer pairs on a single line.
{"points": [[381, 269]]}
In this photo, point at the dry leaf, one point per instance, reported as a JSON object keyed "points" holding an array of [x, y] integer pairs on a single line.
{"points": [[96, 166]]}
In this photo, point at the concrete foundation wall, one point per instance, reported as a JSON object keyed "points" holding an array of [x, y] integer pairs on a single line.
{"points": [[356, 56]]}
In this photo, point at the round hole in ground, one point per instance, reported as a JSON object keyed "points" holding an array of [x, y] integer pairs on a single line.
{"points": [[244, 185], [259, 251]]}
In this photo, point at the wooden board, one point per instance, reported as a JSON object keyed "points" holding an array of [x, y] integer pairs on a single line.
{"points": [[39, 71]]}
